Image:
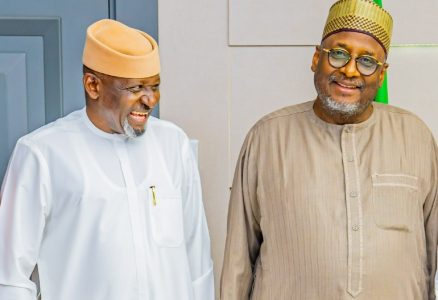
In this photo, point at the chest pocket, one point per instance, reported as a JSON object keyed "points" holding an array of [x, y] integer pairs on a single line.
{"points": [[166, 217], [394, 201]]}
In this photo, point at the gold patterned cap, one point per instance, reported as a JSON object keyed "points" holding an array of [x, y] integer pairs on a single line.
{"points": [[362, 16]]}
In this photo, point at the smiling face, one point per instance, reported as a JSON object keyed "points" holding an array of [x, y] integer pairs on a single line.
{"points": [[120, 105], [344, 94]]}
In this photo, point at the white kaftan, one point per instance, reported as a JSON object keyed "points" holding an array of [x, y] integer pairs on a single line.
{"points": [[79, 203]]}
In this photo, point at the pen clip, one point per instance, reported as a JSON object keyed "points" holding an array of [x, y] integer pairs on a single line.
{"points": [[154, 196]]}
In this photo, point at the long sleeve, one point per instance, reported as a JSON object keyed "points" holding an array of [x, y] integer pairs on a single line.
{"points": [[196, 230], [430, 211], [244, 236], [23, 210]]}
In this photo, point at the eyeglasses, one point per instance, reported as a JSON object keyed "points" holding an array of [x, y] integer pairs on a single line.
{"points": [[365, 64]]}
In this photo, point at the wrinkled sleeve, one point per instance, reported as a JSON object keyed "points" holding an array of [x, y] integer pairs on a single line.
{"points": [[196, 230], [430, 212], [22, 218], [244, 235]]}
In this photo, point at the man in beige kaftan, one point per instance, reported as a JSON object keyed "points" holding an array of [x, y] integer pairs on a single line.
{"points": [[336, 198]]}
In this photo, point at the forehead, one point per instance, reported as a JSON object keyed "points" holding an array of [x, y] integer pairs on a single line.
{"points": [[355, 41], [153, 80]]}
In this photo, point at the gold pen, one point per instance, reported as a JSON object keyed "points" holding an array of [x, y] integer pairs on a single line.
{"points": [[154, 196]]}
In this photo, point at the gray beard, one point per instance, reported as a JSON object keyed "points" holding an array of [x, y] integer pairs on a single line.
{"points": [[342, 109], [131, 132]]}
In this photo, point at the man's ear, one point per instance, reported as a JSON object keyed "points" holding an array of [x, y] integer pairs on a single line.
{"points": [[315, 59], [382, 73], [92, 85]]}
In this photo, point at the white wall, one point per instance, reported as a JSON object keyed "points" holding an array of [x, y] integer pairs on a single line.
{"points": [[215, 91]]}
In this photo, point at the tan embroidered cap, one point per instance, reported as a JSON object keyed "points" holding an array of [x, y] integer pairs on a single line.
{"points": [[363, 16], [115, 49]]}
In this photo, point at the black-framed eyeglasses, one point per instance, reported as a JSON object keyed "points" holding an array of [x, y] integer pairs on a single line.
{"points": [[365, 64]]}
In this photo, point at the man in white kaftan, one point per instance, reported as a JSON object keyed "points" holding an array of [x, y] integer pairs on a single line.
{"points": [[109, 208]]}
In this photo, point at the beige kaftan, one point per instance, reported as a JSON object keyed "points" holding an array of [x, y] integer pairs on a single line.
{"points": [[331, 212]]}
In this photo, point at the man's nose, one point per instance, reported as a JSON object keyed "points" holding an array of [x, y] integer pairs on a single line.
{"points": [[149, 97], [350, 69]]}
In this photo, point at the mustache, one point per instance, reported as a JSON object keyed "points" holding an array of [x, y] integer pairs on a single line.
{"points": [[342, 78]]}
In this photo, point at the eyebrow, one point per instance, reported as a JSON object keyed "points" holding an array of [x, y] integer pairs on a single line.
{"points": [[366, 52]]}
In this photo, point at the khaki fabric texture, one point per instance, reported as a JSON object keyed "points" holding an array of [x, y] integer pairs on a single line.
{"points": [[323, 211], [115, 49]]}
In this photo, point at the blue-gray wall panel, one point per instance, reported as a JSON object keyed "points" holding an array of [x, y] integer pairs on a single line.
{"points": [[146, 17], [13, 100], [74, 17], [49, 30], [33, 48], [3, 126]]}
